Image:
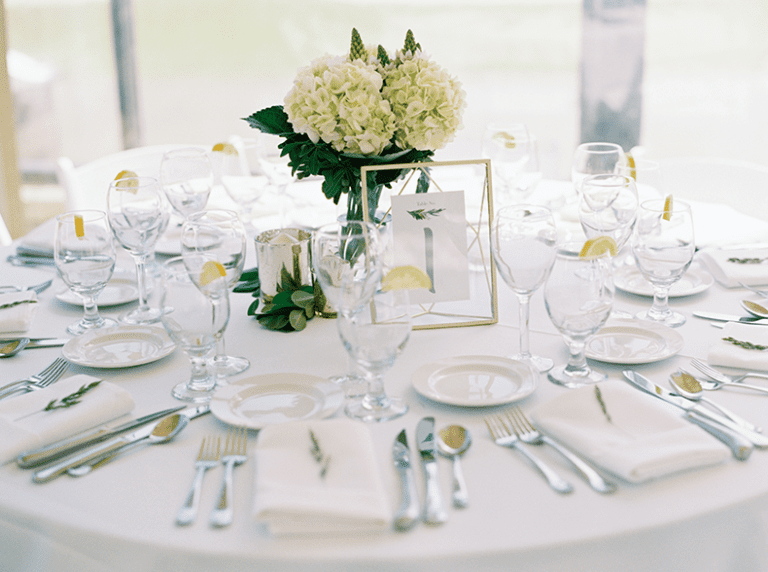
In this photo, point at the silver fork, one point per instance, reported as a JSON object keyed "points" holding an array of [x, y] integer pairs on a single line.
{"points": [[207, 458], [36, 287], [763, 293], [529, 434], [729, 379], [502, 435], [49, 375], [234, 455]]}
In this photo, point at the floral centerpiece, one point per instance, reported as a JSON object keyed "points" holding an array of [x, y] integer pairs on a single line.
{"points": [[364, 108]]}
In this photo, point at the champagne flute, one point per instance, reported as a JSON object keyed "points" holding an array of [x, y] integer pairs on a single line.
{"points": [[523, 241], [84, 254], [514, 157], [192, 322], [608, 207], [138, 215], [578, 296], [347, 249], [663, 246], [186, 176], [595, 159], [219, 235], [374, 334]]}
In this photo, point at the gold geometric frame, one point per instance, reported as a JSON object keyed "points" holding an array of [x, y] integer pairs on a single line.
{"points": [[442, 177]]}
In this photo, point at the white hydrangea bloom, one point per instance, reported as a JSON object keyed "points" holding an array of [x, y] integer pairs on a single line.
{"points": [[340, 103], [427, 101]]}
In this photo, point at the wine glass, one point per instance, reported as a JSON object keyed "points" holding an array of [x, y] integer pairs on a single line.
{"points": [[608, 207], [347, 249], [138, 215], [514, 159], [374, 334], [663, 246], [648, 177], [218, 235], [193, 323], [275, 166], [523, 241], [578, 296], [186, 176], [595, 159], [242, 185], [84, 254]]}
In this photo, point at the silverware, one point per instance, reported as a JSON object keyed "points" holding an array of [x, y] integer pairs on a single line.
{"points": [[730, 318], [505, 437], [408, 513], [160, 432], [234, 455], [452, 442], [738, 439], [529, 434], [434, 510], [207, 458], [757, 310], [49, 375], [10, 349], [763, 293], [729, 379], [67, 446], [22, 260], [14, 346], [36, 287]]}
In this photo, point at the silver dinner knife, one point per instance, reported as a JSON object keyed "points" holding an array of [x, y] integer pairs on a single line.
{"points": [[434, 509], [740, 441], [74, 443], [729, 318], [408, 513]]}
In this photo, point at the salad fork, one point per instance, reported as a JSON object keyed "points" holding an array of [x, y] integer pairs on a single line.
{"points": [[502, 435], [49, 375], [234, 455], [207, 458], [729, 379], [762, 293], [529, 434], [36, 287]]}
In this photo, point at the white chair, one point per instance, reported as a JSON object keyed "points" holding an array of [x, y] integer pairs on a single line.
{"points": [[741, 185], [86, 186]]}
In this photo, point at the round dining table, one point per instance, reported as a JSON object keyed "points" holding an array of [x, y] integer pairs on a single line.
{"points": [[121, 516]]}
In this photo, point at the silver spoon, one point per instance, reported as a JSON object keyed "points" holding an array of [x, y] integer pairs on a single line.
{"points": [[689, 387], [13, 347], [453, 441], [755, 309]]}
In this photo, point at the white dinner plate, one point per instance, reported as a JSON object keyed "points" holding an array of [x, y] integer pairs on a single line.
{"points": [[261, 400], [633, 342], [119, 290], [475, 381], [694, 281], [120, 346], [169, 244]]}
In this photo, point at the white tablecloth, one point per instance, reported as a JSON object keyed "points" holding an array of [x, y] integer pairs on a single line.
{"points": [[121, 517]]}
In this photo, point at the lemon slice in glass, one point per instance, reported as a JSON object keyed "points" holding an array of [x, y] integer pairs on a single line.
{"points": [[79, 226], [598, 246], [667, 208], [226, 148], [405, 278], [131, 185], [211, 271]]}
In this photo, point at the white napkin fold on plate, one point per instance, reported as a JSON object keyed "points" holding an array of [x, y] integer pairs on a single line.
{"points": [[645, 439], [729, 274], [17, 317], [292, 497], [730, 355], [24, 425]]}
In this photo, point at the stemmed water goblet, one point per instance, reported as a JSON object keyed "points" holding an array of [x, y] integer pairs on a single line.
{"points": [[138, 215], [663, 246], [186, 176], [218, 235], [242, 185], [192, 320], [578, 297], [523, 241], [595, 159], [84, 253], [275, 166], [608, 207], [514, 157], [351, 250]]}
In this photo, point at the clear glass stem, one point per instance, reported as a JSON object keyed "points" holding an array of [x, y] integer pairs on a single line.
{"points": [[91, 312], [376, 398], [524, 310], [660, 308], [218, 302], [141, 280], [199, 379], [577, 362]]}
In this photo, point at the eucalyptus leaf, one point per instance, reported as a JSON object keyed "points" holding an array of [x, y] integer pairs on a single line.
{"points": [[298, 320], [303, 299]]}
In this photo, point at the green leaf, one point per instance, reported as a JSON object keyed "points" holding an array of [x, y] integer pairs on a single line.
{"points": [[249, 274], [253, 307], [277, 322], [422, 186], [272, 120], [303, 299], [250, 286], [298, 320], [282, 299]]}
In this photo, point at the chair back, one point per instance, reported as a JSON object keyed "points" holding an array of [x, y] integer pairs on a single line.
{"points": [[5, 235]]}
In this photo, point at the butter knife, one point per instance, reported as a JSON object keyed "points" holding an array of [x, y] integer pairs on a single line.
{"points": [[434, 509], [74, 443], [408, 513], [729, 318], [723, 429]]}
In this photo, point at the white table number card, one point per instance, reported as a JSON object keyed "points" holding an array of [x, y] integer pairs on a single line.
{"points": [[429, 231]]}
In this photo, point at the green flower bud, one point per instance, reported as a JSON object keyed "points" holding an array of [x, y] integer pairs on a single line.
{"points": [[382, 56], [357, 50], [410, 43]]}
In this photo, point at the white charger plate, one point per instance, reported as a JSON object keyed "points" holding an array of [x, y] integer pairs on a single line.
{"points": [[268, 399], [120, 346], [694, 281], [633, 342], [119, 290], [475, 381]]}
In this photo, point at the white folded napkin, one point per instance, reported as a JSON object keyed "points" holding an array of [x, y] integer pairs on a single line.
{"points": [[728, 354], [292, 496], [17, 310], [729, 274], [39, 240], [24, 425], [644, 439]]}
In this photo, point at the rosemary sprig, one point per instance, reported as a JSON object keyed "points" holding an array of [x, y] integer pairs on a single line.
{"points": [[16, 303], [747, 260], [72, 398], [423, 214], [745, 345], [599, 396], [317, 453]]}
